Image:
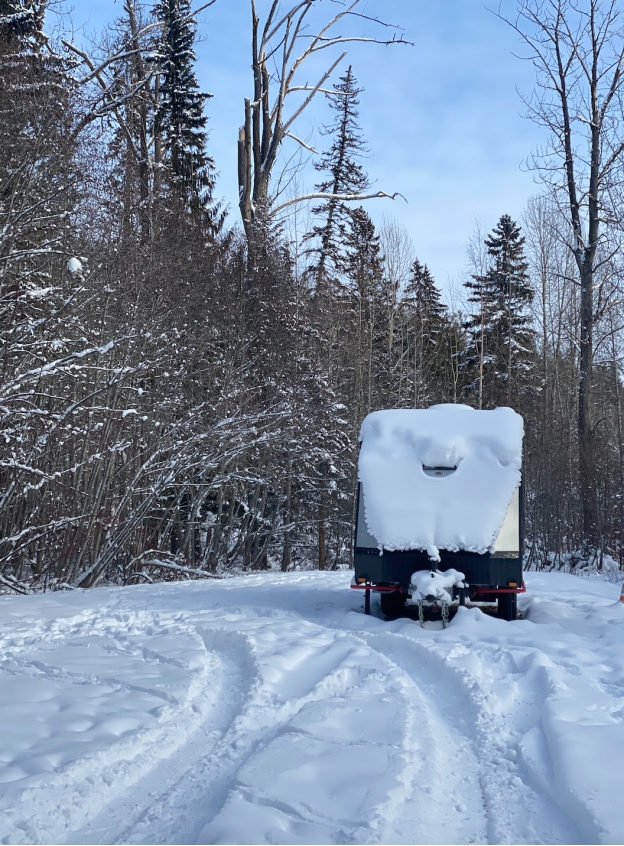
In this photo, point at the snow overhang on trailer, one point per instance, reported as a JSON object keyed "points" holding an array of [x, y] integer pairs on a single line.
{"points": [[446, 477]]}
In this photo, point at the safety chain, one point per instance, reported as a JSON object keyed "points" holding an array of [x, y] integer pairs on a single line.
{"points": [[444, 609]]}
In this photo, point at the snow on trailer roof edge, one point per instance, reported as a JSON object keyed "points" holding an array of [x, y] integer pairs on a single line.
{"points": [[407, 506]]}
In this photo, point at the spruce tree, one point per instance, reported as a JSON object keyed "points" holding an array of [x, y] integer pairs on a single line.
{"points": [[500, 332], [344, 176], [365, 277], [428, 327], [332, 273], [180, 119], [36, 159], [423, 295], [20, 19], [364, 259]]}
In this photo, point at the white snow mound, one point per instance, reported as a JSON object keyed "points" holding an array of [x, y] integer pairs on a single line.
{"points": [[435, 583], [408, 508], [74, 265]]}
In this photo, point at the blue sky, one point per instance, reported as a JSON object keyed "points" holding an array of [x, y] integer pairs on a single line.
{"points": [[442, 119]]}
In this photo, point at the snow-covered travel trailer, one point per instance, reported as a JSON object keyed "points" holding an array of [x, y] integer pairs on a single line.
{"points": [[440, 510]]}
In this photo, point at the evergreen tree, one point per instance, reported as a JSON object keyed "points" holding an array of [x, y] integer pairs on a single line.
{"points": [[501, 337], [332, 269], [344, 176], [429, 326], [365, 276], [36, 160], [423, 295], [20, 19], [364, 260], [134, 170], [180, 119]]}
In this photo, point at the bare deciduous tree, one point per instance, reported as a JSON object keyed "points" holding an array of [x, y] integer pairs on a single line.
{"points": [[577, 49], [279, 50]]}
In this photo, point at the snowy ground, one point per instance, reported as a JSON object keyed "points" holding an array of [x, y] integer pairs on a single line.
{"points": [[269, 709]]}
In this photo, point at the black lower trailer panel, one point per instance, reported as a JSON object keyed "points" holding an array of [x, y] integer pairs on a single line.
{"points": [[396, 568], [488, 578]]}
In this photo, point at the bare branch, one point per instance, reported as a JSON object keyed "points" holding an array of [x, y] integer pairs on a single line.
{"points": [[303, 143], [341, 198], [322, 91], [312, 94]]}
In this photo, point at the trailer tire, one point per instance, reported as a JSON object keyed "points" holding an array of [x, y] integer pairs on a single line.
{"points": [[508, 606], [392, 603]]}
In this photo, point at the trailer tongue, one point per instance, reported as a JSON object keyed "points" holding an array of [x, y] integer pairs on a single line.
{"points": [[440, 513]]}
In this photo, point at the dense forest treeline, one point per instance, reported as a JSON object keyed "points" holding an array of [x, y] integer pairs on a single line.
{"points": [[181, 393]]}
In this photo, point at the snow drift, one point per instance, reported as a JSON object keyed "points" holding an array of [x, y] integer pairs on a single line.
{"points": [[407, 506]]}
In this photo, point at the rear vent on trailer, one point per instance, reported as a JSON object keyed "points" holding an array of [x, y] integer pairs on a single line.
{"points": [[438, 472]]}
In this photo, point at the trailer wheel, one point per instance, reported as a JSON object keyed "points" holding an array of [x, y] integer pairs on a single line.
{"points": [[508, 606], [392, 603]]}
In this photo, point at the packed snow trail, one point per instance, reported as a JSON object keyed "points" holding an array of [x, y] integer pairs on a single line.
{"points": [[269, 709]]}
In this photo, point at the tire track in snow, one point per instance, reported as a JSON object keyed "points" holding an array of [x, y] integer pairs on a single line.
{"points": [[443, 801], [435, 796], [343, 768], [309, 687], [53, 803], [205, 773], [165, 805], [518, 809]]}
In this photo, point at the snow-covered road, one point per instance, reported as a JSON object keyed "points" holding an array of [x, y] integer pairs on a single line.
{"points": [[269, 709]]}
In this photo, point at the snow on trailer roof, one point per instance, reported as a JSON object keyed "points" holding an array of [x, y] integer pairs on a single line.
{"points": [[439, 478]]}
